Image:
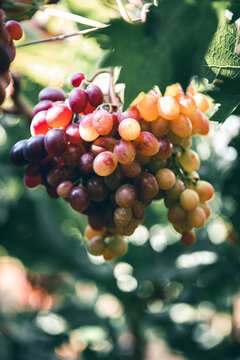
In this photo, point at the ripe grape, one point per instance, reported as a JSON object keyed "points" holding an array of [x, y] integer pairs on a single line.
{"points": [[189, 199], [97, 245], [103, 143], [55, 142], [97, 189], [90, 232], [168, 107], [165, 149], [114, 180], [189, 160], [187, 105], [160, 127], [175, 192], [148, 106], [166, 179], [188, 238], [85, 163], [86, 129], [117, 245], [59, 116], [79, 198], [124, 152], [177, 214], [42, 105], [131, 170], [95, 95], [108, 255], [77, 78], [14, 29], [138, 211], [34, 149], [132, 113], [77, 100], [71, 155], [59, 174], [52, 93], [32, 170], [73, 135], [126, 196], [32, 181], [102, 122], [129, 129], [147, 144], [64, 189], [206, 209], [205, 190], [4, 58], [16, 154], [197, 217], [148, 185], [39, 124], [104, 163], [202, 102], [181, 126], [122, 216]]}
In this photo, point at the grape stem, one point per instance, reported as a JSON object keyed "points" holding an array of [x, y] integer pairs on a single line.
{"points": [[112, 94], [123, 11], [181, 172], [101, 71]]}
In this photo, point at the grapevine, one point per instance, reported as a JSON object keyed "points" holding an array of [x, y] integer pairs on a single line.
{"points": [[110, 165]]}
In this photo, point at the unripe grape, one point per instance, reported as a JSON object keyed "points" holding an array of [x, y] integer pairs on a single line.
{"points": [[189, 160], [175, 192], [189, 199], [132, 113], [188, 238], [129, 129], [104, 163], [148, 106], [197, 217], [168, 107], [205, 190], [165, 178], [129, 230], [117, 245], [97, 245], [183, 227]]}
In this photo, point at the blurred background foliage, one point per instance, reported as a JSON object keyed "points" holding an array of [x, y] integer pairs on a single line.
{"points": [[159, 301]]}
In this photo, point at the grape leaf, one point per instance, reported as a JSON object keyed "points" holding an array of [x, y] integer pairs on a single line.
{"points": [[20, 10], [223, 63], [170, 47]]}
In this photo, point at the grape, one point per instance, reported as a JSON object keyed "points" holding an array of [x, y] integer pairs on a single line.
{"points": [[199, 121], [16, 154], [97, 245], [77, 100], [14, 29], [104, 163], [132, 113], [183, 227], [34, 149], [131, 170], [85, 163], [42, 105], [122, 216], [52, 93], [95, 221], [73, 135], [114, 180], [202, 102], [206, 209], [142, 159], [126, 196], [166, 179], [191, 89], [102, 122], [174, 90], [32, 181], [204, 130], [168, 108], [117, 245], [175, 192], [77, 78], [197, 217], [95, 95], [182, 126], [115, 125], [32, 170], [124, 152], [169, 203], [145, 125], [148, 106], [187, 105], [4, 58], [165, 149], [39, 124], [89, 109], [97, 189], [177, 214], [129, 230], [188, 238], [64, 189], [79, 198], [186, 142], [86, 129], [189, 199], [52, 193], [160, 127], [59, 116], [108, 255], [72, 154], [129, 129], [2, 94], [138, 211], [205, 190], [148, 185], [103, 143], [189, 160], [55, 142], [154, 165], [59, 174], [147, 144], [90, 232]]}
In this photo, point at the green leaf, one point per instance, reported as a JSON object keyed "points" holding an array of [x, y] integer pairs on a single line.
{"points": [[223, 63], [170, 47], [20, 10]]}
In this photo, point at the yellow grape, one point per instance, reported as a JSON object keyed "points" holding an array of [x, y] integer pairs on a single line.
{"points": [[181, 228], [165, 178], [189, 160], [186, 142], [189, 199], [206, 209], [202, 102], [104, 163], [191, 89], [205, 190], [174, 90], [108, 255], [129, 129], [187, 105], [117, 245], [148, 107], [182, 126], [160, 127], [197, 217], [168, 108]]}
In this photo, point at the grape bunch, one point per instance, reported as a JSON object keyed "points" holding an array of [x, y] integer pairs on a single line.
{"points": [[110, 165], [9, 31]]}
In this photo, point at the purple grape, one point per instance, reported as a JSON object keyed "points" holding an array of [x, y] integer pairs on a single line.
{"points": [[78, 100], [97, 189], [59, 174], [32, 170], [86, 163], [4, 58], [148, 185], [79, 198], [34, 150], [16, 154], [55, 142], [52, 93], [95, 95], [42, 105], [126, 196], [71, 155], [77, 78]]}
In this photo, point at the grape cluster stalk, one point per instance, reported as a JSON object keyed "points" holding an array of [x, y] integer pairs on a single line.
{"points": [[9, 31], [110, 165]]}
